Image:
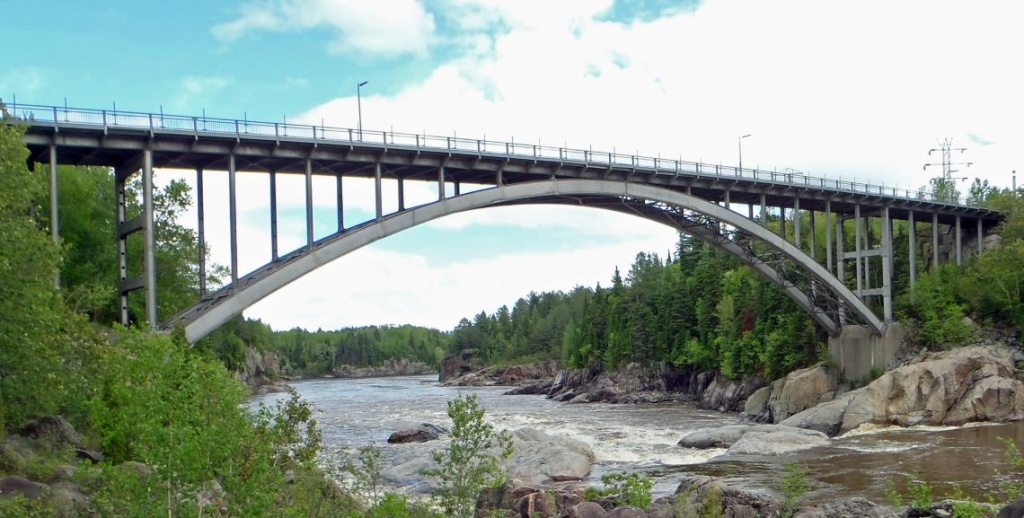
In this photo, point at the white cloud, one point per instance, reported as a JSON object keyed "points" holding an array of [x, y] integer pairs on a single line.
{"points": [[852, 90], [381, 27], [195, 91], [22, 80]]}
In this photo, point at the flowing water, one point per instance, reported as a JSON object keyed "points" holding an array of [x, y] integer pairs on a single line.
{"points": [[642, 438]]}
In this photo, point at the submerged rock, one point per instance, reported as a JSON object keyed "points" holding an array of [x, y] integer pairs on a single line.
{"points": [[758, 439]]}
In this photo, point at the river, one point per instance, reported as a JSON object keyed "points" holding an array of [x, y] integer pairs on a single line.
{"points": [[642, 438]]}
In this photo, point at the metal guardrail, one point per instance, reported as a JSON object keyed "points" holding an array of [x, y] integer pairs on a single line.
{"points": [[154, 122]]}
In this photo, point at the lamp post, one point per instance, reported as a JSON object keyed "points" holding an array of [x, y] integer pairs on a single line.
{"points": [[359, 104], [739, 143]]}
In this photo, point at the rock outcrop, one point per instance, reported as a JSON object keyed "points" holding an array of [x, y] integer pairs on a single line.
{"points": [[393, 367], [540, 458], [968, 384], [262, 371], [528, 375], [459, 364]]}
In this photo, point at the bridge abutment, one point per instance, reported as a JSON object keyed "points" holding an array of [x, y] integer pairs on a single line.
{"points": [[858, 349]]}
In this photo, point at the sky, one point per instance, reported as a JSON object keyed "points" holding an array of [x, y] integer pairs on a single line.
{"points": [[848, 90]]}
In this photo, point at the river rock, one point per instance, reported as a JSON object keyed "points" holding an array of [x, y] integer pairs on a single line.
{"points": [[539, 457], [694, 491], [757, 439], [1014, 509], [953, 387], [727, 395], [588, 510], [782, 440], [848, 508], [14, 486], [422, 433], [261, 369], [53, 432], [802, 389]]}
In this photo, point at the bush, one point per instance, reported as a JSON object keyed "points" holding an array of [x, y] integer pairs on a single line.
{"points": [[467, 466], [793, 485], [629, 489]]}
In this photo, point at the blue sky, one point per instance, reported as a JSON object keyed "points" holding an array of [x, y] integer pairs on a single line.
{"points": [[854, 90]]}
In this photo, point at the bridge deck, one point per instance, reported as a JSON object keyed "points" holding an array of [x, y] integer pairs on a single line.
{"points": [[96, 137]]}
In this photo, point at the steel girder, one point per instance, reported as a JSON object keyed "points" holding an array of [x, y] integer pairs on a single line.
{"points": [[819, 293]]}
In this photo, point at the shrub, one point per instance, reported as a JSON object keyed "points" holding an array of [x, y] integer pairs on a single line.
{"points": [[630, 489], [467, 466]]}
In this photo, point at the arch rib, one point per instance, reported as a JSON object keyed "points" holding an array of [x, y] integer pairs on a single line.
{"points": [[204, 317]]}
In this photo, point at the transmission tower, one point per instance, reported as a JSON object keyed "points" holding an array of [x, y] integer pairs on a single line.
{"points": [[945, 186]]}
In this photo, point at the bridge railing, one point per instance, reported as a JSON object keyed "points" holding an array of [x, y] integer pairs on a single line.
{"points": [[152, 122]]}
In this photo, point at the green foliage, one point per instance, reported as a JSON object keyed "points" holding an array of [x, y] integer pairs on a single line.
{"points": [[630, 488], [794, 484], [1013, 483], [892, 493], [934, 309], [467, 466], [366, 476], [920, 493]]}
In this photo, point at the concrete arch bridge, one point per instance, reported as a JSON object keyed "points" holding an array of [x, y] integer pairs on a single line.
{"points": [[725, 206]]}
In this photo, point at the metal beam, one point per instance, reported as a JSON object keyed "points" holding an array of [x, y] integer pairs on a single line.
{"points": [[886, 266], [828, 236], [120, 177], [935, 241], [796, 223], [856, 247], [959, 246], [339, 190], [981, 235], [401, 194]]}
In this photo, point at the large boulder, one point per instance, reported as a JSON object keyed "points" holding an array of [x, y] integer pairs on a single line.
{"points": [[701, 492], [539, 457], [758, 439], [53, 432], [802, 389], [422, 433], [727, 395], [953, 387]]}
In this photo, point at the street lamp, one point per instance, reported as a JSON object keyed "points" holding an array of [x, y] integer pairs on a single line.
{"points": [[739, 142], [359, 104]]}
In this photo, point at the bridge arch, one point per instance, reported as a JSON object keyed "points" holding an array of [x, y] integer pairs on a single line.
{"points": [[207, 315]]}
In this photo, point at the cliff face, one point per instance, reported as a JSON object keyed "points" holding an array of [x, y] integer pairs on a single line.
{"points": [[399, 367], [260, 369]]}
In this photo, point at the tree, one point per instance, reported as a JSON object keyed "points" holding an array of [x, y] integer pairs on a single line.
{"points": [[467, 465]]}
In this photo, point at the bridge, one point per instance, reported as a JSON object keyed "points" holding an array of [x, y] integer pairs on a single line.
{"points": [[708, 201]]}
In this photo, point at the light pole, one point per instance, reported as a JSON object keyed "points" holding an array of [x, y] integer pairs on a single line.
{"points": [[359, 104], [739, 142]]}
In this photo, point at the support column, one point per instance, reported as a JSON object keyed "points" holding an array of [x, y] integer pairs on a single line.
{"points": [[201, 232], [814, 237], [959, 250], [457, 189], [440, 183], [149, 233], [233, 220], [273, 216], [309, 203], [764, 211], [981, 234], [840, 252], [120, 178], [728, 203], [828, 236], [54, 214], [935, 241], [341, 204], [912, 245], [782, 222], [796, 222], [856, 248], [750, 212], [867, 247], [886, 266], [377, 190], [401, 194]]}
